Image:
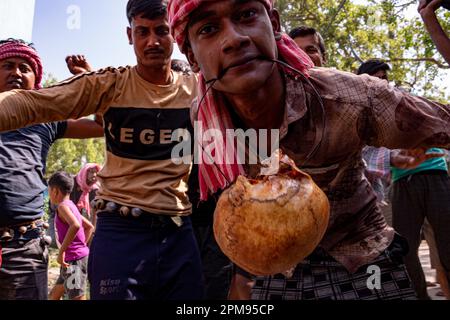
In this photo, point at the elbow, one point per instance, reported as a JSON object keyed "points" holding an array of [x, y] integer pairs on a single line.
{"points": [[87, 225], [76, 226]]}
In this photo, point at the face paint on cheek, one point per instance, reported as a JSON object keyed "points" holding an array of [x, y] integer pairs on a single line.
{"points": [[266, 44], [208, 64]]}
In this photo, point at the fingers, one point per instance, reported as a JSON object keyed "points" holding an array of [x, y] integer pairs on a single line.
{"points": [[416, 153], [410, 159], [422, 4], [63, 263], [81, 59], [434, 155], [76, 59], [431, 5], [71, 57], [403, 161], [69, 62], [435, 4]]}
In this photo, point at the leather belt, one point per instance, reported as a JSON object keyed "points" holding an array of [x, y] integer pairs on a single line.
{"points": [[129, 212], [7, 233]]}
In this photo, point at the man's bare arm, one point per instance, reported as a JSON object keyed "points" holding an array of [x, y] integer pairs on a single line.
{"points": [[440, 38], [73, 99], [83, 129]]}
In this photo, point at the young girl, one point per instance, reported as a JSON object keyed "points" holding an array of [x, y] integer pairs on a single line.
{"points": [[73, 233]]}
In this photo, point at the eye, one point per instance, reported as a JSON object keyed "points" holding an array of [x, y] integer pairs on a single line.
{"points": [[310, 49], [207, 29], [162, 31], [142, 32], [247, 14], [25, 69], [7, 66]]}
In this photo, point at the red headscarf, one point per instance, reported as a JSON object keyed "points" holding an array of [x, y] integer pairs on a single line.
{"points": [[212, 113], [16, 49]]}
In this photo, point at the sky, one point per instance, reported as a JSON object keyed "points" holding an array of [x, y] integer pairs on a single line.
{"points": [[95, 28], [16, 19]]}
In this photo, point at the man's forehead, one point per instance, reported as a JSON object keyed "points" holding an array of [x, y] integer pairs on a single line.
{"points": [[15, 60], [211, 8], [141, 22], [312, 39]]}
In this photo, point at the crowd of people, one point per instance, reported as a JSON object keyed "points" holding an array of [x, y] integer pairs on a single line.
{"points": [[141, 225]]}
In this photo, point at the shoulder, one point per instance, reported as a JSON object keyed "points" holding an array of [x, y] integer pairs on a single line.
{"points": [[194, 110], [108, 73], [68, 206], [62, 208], [51, 130], [343, 86], [188, 82], [55, 129]]}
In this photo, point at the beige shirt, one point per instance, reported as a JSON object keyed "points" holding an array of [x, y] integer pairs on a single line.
{"points": [[139, 118]]}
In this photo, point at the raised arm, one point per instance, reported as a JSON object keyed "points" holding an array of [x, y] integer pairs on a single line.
{"points": [[78, 64], [82, 128], [75, 98], [440, 38]]}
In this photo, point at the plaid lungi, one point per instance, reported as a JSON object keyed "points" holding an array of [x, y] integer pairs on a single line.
{"points": [[320, 277]]}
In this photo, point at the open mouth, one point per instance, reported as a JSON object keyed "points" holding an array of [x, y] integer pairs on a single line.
{"points": [[16, 84], [154, 52]]}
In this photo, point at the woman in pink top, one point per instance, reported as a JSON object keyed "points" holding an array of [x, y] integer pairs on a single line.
{"points": [[73, 232]]}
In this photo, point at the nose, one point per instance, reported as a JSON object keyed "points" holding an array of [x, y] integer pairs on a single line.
{"points": [[16, 72], [153, 41], [233, 38]]}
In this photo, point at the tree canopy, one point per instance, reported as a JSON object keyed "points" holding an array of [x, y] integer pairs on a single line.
{"points": [[392, 30], [71, 154]]}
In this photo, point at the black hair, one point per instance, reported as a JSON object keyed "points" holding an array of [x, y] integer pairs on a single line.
{"points": [[304, 31], [181, 66], [148, 9], [372, 66], [62, 181], [20, 41]]}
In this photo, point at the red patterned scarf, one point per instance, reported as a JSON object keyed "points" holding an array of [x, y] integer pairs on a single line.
{"points": [[212, 113], [14, 49]]}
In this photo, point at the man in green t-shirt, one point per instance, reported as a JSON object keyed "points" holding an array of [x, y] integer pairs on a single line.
{"points": [[418, 195]]}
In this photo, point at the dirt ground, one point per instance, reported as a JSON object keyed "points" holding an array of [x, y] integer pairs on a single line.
{"points": [[53, 268]]}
